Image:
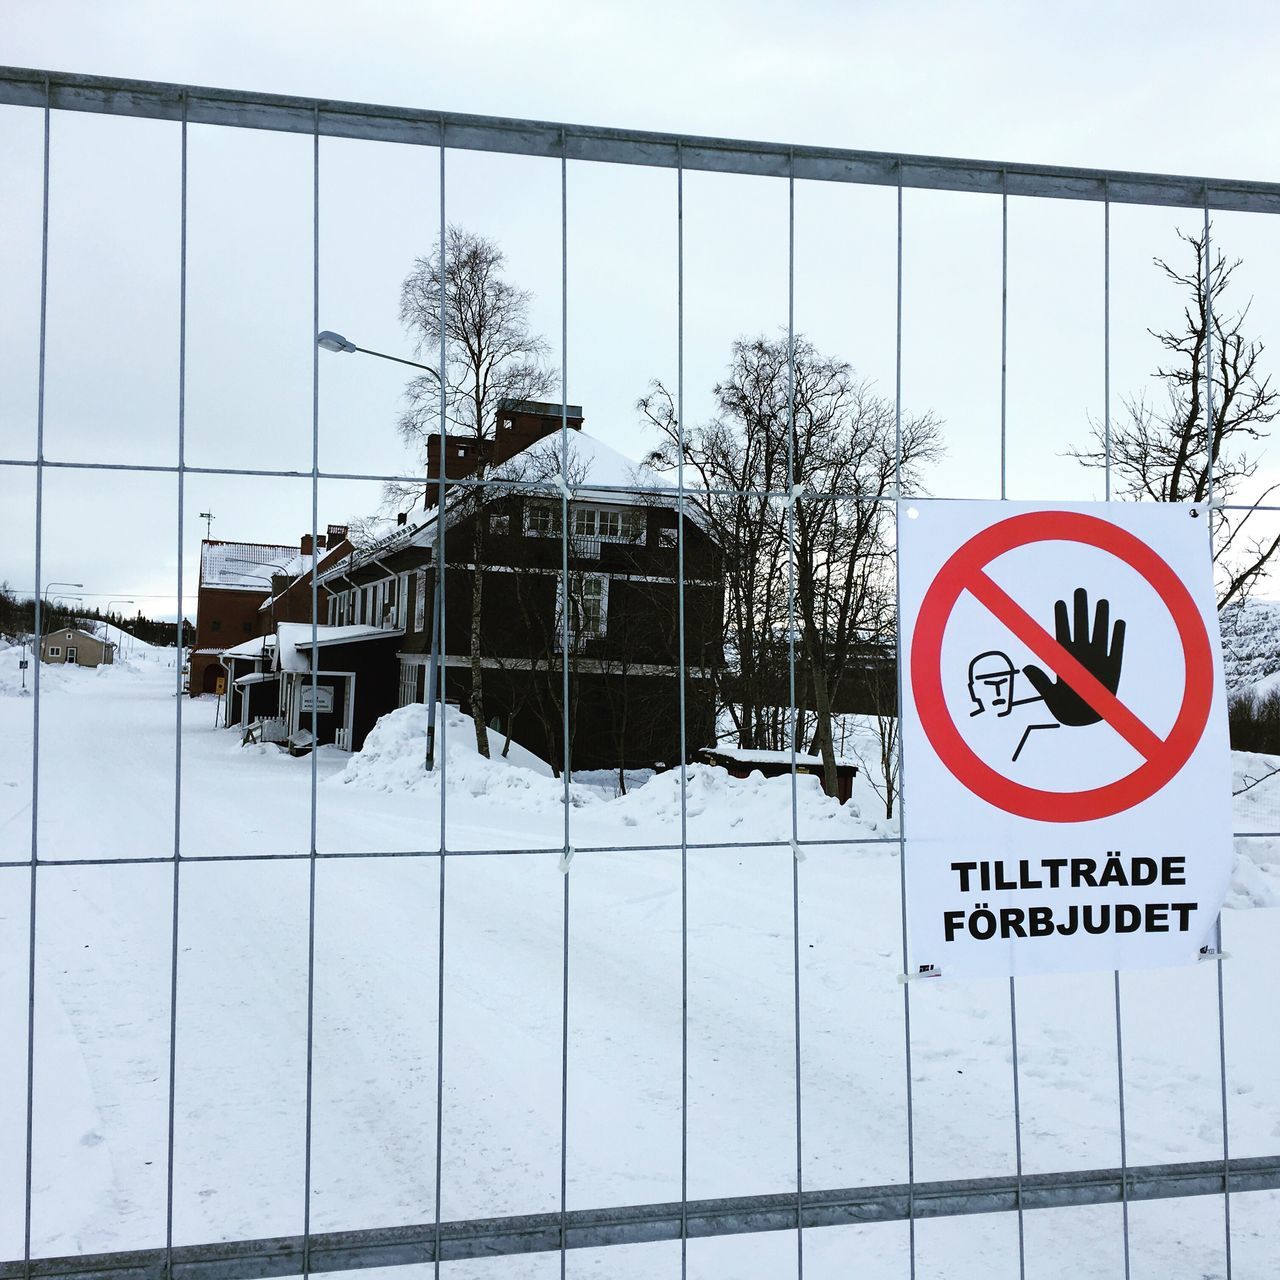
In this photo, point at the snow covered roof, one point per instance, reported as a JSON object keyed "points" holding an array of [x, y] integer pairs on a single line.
{"points": [[597, 472], [255, 677], [244, 566], [296, 636], [255, 648]]}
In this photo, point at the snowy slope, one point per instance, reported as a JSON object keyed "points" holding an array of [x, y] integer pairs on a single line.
{"points": [[102, 1022], [1251, 642]]}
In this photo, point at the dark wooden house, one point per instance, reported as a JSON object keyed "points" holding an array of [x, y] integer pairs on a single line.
{"points": [[619, 607]]}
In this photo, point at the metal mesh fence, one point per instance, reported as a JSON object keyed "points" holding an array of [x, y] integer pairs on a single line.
{"points": [[437, 1237]]}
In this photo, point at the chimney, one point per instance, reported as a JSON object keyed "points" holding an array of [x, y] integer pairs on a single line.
{"points": [[520, 423], [305, 545]]}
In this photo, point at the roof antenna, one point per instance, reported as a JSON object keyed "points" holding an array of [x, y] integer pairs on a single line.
{"points": [[207, 517]]}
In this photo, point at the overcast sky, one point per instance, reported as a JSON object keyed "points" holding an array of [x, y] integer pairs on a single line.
{"points": [[1171, 87]]}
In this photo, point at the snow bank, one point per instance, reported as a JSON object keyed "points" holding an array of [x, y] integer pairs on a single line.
{"points": [[392, 760], [53, 676], [719, 808], [723, 808]]}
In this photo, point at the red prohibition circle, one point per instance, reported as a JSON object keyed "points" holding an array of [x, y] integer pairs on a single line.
{"points": [[955, 753]]}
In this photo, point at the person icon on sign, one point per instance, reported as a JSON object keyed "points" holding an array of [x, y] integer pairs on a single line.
{"points": [[1099, 649], [992, 682]]}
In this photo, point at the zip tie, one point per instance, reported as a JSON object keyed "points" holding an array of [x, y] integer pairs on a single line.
{"points": [[1208, 953], [798, 491], [797, 852], [925, 971], [564, 488], [565, 859]]}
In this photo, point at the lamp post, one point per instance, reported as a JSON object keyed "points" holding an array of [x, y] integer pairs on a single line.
{"points": [[331, 341], [110, 603], [39, 647]]}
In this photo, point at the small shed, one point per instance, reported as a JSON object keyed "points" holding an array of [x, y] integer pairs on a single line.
{"points": [[740, 763], [81, 648]]}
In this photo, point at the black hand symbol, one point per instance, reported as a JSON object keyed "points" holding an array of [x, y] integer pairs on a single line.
{"points": [[1099, 654]]}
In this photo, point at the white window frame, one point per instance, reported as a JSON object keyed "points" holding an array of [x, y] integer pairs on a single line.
{"points": [[55, 651], [592, 522], [578, 637], [420, 601], [553, 511]]}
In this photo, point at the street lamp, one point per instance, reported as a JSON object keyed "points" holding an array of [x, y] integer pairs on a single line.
{"points": [[331, 341], [110, 603], [45, 596]]}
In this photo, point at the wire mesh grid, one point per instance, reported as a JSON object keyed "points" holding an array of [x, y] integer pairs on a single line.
{"points": [[798, 1208]]}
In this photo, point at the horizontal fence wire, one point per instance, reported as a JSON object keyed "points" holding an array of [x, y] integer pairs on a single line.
{"points": [[544, 488], [154, 100], [524, 1234]]}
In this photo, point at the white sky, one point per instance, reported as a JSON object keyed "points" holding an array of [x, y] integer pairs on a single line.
{"points": [[1166, 87]]}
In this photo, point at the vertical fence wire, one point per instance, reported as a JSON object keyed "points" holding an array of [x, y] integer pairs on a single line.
{"points": [[791, 655], [177, 700], [566, 857], [1004, 494], [684, 753], [35, 707], [902, 778], [1211, 445], [440, 760], [1106, 446], [315, 662]]}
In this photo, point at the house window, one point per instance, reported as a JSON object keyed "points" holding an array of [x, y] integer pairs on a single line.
{"points": [[591, 606], [420, 601], [542, 519], [55, 651], [588, 608], [610, 524], [667, 537], [499, 523]]}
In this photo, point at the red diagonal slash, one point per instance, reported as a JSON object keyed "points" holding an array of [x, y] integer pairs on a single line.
{"points": [[1008, 611]]}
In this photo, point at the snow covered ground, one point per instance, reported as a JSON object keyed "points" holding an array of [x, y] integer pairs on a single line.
{"points": [[107, 789]]}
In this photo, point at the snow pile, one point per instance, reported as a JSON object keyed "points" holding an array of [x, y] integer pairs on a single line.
{"points": [[1250, 643], [392, 757], [724, 808], [1255, 783], [53, 676]]}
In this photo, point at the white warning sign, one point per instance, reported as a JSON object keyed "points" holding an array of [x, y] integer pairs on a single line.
{"points": [[1067, 777]]}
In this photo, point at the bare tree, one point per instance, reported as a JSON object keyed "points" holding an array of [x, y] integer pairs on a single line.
{"points": [[492, 355], [1167, 451], [796, 468]]}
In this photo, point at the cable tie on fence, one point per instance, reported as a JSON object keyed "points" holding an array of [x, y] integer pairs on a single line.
{"points": [[798, 491], [566, 858], [924, 971], [797, 852], [565, 491], [1209, 953]]}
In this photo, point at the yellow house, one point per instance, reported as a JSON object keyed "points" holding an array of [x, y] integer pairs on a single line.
{"points": [[80, 647]]}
